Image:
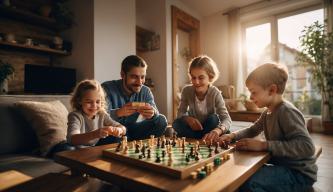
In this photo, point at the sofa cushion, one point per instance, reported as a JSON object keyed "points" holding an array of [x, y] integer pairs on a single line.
{"points": [[30, 165], [17, 136], [48, 119]]}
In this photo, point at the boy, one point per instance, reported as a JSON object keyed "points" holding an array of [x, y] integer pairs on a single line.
{"points": [[292, 166]]}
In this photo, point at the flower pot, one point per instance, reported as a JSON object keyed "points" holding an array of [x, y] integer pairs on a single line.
{"points": [[328, 127], [250, 105], [3, 87]]}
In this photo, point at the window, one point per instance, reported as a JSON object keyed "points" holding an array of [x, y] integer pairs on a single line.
{"points": [[277, 39]]}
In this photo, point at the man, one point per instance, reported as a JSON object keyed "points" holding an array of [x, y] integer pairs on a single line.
{"points": [[141, 119]]}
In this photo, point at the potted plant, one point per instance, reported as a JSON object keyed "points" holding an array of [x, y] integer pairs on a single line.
{"points": [[317, 54], [248, 104], [6, 70]]}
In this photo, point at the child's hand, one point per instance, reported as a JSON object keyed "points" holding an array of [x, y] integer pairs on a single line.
{"points": [[250, 144], [226, 138], [146, 111], [193, 123], [115, 131], [213, 135], [102, 132]]}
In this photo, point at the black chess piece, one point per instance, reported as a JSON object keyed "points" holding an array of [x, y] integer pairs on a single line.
{"points": [[137, 150], [148, 155], [163, 153], [118, 147], [216, 150], [187, 158], [158, 159]]}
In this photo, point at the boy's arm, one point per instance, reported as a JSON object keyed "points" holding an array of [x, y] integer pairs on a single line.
{"points": [[253, 130], [297, 142]]}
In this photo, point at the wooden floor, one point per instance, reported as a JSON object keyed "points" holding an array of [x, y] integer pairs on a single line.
{"points": [[324, 162]]}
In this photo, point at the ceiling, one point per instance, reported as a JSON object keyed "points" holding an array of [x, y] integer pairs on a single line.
{"points": [[210, 7]]}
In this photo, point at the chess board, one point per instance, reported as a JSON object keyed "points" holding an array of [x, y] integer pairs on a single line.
{"points": [[179, 167]]}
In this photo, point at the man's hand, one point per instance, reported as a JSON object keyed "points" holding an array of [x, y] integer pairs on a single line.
{"points": [[147, 111], [249, 144], [213, 135], [126, 110], [193, 123]]}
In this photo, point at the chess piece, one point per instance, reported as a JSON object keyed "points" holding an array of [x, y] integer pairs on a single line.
{"points": [[158, 159], [126, 150], [216, 149], [118, 147], [137, 150], [148, 155]]}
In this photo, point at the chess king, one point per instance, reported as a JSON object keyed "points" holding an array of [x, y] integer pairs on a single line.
{"points": [[129, 99]]}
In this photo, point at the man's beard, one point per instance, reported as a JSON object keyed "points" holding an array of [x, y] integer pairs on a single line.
{"points": [[131, 88]]}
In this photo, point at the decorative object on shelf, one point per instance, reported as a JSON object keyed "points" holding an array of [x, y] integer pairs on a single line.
{"points": [[62, 13], [186, 53], [6, 70], [248, 104], [57, 42], [29, 42], [146, 40], [10, 37], [149, 83], [317, 54]]}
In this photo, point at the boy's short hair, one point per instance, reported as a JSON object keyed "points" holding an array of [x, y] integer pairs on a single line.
{"points": [[132, 61], [268, 74]]}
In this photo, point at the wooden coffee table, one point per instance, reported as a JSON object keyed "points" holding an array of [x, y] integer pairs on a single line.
{"points": [[227, 177]]}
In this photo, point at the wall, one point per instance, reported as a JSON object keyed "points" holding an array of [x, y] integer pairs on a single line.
{"points": [[82, 37], [214, 41], [155, 15], [114, 36], [150, 14]]}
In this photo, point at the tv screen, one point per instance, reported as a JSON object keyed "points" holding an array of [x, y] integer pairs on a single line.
{"points": [[48, 80]]}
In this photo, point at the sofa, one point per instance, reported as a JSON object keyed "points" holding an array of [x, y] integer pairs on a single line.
{"points": [[19, 143]]}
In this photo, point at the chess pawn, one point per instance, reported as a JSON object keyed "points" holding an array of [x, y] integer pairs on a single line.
{"points": [[126, 150]]}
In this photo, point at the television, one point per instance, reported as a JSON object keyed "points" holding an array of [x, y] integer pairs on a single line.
{"points": [[40, 79]]}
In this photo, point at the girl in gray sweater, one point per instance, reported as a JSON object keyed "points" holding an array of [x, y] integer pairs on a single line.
{"points": [[202, 112]]}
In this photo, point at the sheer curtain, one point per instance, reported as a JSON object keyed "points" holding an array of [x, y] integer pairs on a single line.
{"points": [[328, 8], [236, 77]]}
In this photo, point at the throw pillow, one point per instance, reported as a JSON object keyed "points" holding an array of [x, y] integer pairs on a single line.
{"points": [[48, 119]]}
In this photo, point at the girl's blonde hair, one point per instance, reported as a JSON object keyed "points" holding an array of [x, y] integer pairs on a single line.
{"points": [[83, 87], [206, 63]]}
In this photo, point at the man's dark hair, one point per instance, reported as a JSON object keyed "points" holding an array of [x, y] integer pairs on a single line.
{"points": [[132, 61]]}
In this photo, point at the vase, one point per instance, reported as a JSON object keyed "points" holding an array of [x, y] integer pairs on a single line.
{"points": [[3, 87]]}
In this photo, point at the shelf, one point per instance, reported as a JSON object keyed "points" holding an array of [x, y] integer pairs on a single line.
{"points": [[29, 17], [33, 48]]}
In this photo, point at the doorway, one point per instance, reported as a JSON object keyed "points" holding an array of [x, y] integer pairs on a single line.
{"points": [[185, 46]]}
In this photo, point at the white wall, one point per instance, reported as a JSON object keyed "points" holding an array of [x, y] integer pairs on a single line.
{"points": [[82, 37], [214, 43], [150, 14], [114, 36]]}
